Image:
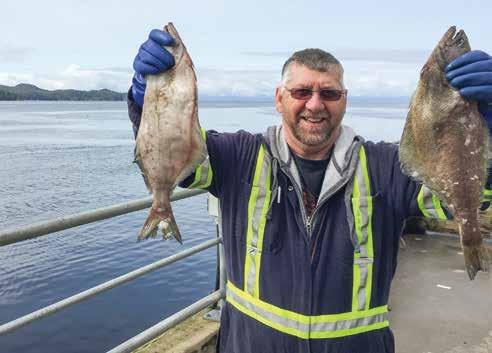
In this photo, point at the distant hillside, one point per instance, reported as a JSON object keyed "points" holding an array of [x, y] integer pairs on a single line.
{"points": [[25, 91]]}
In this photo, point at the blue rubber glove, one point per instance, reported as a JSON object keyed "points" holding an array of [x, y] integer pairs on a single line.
{"points": [[471, 74], [151, 59]]}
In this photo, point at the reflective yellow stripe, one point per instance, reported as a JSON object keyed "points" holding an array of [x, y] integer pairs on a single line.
{"points": [[487, 195], [305, 326], [420, 201], [356, 286], [269, 323], [438, 207], [267, 306], [429, 204], [251, 206], [203, 173], [369, 246], [348, 332], [258, 204], [358, 232], [363, 256], [261, 232]]}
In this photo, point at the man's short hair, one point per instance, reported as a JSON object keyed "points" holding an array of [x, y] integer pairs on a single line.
{"points": [[314, 59]]}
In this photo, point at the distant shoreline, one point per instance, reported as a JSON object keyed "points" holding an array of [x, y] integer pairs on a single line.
{"points": [[27, 92]]}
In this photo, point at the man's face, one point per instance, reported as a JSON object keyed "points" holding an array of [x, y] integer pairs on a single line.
{"points": [[313, 122]]}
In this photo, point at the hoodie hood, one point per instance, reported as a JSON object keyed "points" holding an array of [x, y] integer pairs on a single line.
{"points": [[342, 163]]}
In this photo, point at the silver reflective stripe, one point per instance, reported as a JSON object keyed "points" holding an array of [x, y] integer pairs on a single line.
{"points": [[429, 204], [364, 219], [350, 324], [361, 291], [363, 255], [304, 326], [257, 206], [270, 316]]}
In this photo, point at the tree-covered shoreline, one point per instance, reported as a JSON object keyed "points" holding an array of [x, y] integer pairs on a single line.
{"points": [[25, 91]]}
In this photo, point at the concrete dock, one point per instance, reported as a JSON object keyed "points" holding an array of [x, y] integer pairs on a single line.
{"points": [[435, 308]]}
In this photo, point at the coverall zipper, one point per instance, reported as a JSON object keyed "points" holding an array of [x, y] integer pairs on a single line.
{"points": [[306, 220]]}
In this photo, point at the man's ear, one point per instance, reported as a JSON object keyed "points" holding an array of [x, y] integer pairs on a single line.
{"points": [[278, 99]]}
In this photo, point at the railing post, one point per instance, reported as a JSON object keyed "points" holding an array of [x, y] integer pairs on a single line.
{"points": [[214, 211]]}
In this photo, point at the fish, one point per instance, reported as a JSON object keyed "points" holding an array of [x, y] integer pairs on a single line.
{"points": [[169, 144], [445, 144]]}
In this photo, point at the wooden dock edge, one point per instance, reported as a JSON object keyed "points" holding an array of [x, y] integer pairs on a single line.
{"points": [[194, 335]]}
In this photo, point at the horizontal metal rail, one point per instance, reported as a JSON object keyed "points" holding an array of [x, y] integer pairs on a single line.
{"points": [[42, 228], [50, 309], [171, 321]]}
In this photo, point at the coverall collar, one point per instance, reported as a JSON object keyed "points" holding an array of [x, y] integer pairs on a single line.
{"points": [[339, 169]]}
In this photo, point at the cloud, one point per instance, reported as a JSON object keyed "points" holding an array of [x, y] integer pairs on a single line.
{"points": [[74, 77], [14, 53], [368, 78], [366, 55], [116, 79], [248, 83], [381, 79], [362, 78]]}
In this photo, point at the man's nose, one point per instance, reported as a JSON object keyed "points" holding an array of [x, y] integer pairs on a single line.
{"points": [[315, 103]]}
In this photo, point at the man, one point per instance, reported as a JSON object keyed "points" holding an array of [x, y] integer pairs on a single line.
{"points": [[312, 213]]}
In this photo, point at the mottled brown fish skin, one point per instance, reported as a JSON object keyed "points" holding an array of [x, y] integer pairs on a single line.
{"points": [[169, 144], [445, 145]]}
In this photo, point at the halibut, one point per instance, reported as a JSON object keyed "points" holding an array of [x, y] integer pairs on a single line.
{"points": [[169, 144], [445, 146]]}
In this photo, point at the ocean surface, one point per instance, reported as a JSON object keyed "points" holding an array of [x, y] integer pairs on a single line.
{"points": [[60, 158]]}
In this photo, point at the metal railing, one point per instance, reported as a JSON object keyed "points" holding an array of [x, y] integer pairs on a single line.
{"points": [[48, 227]]}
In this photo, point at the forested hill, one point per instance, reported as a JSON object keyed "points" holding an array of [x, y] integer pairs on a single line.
{"points": [[25, 91]]}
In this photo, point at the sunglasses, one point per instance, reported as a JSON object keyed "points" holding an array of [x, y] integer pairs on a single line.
{"points": [[327, 94]]}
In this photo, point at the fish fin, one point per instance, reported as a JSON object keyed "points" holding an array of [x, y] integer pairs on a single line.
{"points": [[407, 153], [198, 156], [149, 229], [174, 229], [163, 220], [198, 159], [138, 161], [476, 259]]}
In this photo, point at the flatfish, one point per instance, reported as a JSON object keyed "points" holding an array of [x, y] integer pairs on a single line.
{"points": [[169, 144], [445, 146]]}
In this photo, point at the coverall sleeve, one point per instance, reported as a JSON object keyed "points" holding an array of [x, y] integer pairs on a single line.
{"points": [[222, 151], [413, 198]]}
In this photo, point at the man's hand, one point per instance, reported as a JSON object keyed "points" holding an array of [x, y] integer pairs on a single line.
{"points": [[471, 74], [151, 59]]}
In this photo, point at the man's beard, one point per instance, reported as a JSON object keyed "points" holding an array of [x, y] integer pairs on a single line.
{"points": [[314, 135]]}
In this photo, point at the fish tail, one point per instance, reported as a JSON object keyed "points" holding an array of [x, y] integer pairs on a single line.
{"points": [[163, 219], [149, 229], [476, 259], [174, 230], [474, 251]]}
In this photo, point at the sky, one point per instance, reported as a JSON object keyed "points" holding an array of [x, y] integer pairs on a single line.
{"points": [[238, 47]]}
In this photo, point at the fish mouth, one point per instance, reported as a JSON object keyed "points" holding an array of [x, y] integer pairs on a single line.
{"points": [[452, 45], [458, 40], [178, 50]]}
